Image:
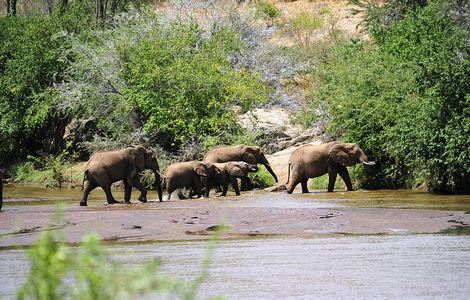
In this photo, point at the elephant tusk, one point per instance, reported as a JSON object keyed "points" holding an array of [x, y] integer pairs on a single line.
{"points": [[369, 163]]}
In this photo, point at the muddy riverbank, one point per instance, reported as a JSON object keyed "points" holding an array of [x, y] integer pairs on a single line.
{"points": [[28, 210]]}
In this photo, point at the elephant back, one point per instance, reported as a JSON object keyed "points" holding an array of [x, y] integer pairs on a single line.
{"points": [[223, 154]]}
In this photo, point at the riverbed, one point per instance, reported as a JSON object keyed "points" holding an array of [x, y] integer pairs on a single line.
{"points": [[362, 244]]}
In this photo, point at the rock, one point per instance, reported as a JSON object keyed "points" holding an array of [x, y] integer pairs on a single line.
{"points": [[77, 132]]}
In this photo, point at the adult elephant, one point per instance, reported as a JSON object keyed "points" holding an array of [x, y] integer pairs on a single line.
{"points": [[311, 161], [249, 154], [229, 172], [188, 175], [105, 167]]}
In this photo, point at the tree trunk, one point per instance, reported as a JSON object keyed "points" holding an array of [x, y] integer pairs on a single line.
{"points": [[114, 5], [11, 7], [100, 12], [63, 5], [50, 7]]}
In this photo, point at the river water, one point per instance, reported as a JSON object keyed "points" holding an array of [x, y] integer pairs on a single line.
{"points": [[335, 267], [415, 266]]}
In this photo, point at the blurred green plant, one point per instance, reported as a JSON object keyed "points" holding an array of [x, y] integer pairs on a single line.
{"points": [[96, 275]]}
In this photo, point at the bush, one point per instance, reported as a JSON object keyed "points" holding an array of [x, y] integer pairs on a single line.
{"points": [[405, 101], [267, 11], [304, 26], [29, 63], [185, 86]]}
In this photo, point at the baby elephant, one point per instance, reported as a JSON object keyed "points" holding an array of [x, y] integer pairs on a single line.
{"points": [[229, 172], [188, 175]]}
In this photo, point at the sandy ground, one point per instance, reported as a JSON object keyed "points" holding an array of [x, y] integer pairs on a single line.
{"points": [[254, 214]]}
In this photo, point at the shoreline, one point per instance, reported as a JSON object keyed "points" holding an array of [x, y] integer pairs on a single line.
{"points": [[255, 214]]}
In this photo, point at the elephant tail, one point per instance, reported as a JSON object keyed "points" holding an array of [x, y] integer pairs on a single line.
{"points": [[288, 173], [85, 175]]}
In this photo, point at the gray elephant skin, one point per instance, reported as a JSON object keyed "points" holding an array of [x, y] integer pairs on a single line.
{"points": [[311, 161], [106, 167], [229, 172], [249, 154], [188, 175]]}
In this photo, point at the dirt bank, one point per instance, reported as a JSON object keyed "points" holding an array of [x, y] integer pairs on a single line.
{"points": [[256, 214]]}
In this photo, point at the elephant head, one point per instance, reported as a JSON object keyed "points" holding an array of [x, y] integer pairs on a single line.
{"points": [[141, 159], [348, 154], [203, 169], [240, 168], [254, 155]]}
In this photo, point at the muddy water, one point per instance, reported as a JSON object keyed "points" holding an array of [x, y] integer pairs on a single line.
{"points": [[324, 265], [423, 266], [19, 194]]}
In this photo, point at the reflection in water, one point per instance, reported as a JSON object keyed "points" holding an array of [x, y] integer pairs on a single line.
{"points": [[343, 267], [21, 194]]}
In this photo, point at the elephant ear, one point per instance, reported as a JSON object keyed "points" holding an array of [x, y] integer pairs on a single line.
{"points": [[236, 169], [249, 154], [339, 153], [136, 157], [200, 170]]}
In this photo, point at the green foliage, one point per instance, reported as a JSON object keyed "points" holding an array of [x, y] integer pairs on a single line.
{"points": [[267, 10], [304, 26], [96, 275], [405, 101], [29, 63], [182, 81], [262, 178]]}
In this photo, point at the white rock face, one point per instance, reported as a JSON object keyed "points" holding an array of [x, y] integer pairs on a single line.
{"points": [[272, 119]]}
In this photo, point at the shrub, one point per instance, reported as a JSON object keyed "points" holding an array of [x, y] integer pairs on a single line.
{"points": [[183, 83], [304, 26], [267, 11], [405, 101], [96, 275]]}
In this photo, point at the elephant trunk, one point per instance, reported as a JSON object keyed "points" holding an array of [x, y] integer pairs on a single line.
{"points": [[265, 162], [158, 184]]}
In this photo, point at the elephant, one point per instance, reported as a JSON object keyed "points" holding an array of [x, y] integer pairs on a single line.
{"points": [[249, 154], [228, 174], [311, 161], [188, 175], [105, 167]]}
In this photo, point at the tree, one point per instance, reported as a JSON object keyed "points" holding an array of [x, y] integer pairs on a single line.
{"points": [[11, 7]]}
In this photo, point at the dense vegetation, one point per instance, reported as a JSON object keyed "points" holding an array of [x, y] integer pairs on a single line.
{"points": [[129, 75], [405, 99]]}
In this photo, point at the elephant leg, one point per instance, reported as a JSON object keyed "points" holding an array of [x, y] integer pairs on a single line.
{"points": [[109, 196], [127, 191], [224, 190], [304, 185], [196, 185], [207, 188], [246, 184], [143, 191], [234, 183], [293, 182], [181, 195], [344, 174], [88, 186], [332, 172]]}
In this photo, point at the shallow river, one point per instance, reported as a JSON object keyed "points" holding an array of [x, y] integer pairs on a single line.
{"points": [[416, 266], [329, 266]]}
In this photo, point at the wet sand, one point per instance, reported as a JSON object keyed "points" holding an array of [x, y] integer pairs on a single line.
{"points": [[28, 211]]}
